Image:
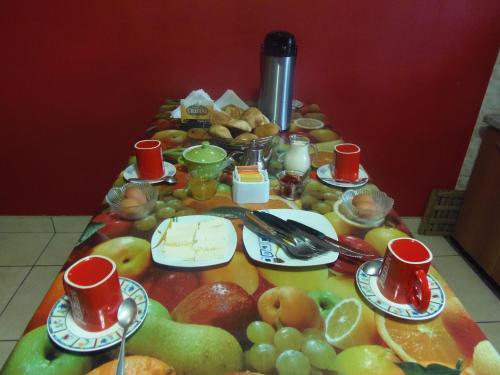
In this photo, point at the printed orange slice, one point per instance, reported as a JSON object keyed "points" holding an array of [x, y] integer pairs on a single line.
{"points": [[426, 342]]}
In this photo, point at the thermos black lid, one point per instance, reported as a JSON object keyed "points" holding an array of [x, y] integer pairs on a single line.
{"points": [[279, 44]]}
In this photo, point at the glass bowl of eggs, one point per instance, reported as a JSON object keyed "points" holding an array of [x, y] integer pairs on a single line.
{"points": [[366, 206], [133, 200]]}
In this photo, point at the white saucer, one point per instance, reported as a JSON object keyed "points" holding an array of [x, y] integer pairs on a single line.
{"points": [[131, 172], [65, 333], [326, 173], [368, 287]]}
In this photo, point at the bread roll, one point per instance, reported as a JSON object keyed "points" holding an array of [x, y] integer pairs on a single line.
{"points": [[254, 117], [219, 118], [239, 124], [266, 130], [220, 131], [198, 134], [243, 137], [233, 111]]}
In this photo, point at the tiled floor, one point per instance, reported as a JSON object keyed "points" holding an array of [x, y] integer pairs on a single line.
{"points": [[32, 250]]}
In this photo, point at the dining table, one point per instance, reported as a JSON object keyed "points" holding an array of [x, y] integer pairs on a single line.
{"points": [[253, 312]]}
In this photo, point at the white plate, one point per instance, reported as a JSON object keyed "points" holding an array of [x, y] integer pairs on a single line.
{"points": [[327, 172], [131, 172], [368, 287], [264, 251], [162, 258], [65, 333]]}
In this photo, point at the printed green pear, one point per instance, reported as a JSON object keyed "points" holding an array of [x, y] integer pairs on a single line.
{"points": [[189, 348]]}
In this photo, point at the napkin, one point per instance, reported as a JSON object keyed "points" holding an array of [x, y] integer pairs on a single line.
{"points": [[194, 96], [230, 97]]}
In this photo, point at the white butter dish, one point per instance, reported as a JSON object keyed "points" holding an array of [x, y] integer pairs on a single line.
{"points": [[250, 192]]}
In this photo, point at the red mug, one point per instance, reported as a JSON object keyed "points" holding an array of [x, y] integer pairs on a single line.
{"points": [[347, 156], [403, 276], [149, 159], [94, 292]]}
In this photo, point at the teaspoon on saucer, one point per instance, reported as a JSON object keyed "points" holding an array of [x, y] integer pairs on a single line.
{"points": [[372, 267], [127, 313], [170, 180]]}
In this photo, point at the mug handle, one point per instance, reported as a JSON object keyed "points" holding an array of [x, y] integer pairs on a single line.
{"points": [[66, 288], [314, 153], [420, 295]]}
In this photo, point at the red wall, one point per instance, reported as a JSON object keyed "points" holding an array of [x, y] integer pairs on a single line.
{"points": [[80, 80]]}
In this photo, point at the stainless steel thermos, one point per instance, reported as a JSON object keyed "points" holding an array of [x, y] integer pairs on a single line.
{"points": [[277, 64]]}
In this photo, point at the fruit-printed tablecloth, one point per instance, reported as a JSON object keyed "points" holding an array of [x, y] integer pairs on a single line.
{"points": [[245, 316]]}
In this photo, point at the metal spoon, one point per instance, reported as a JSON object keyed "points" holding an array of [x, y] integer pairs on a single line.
{"points": [[372, 267], [126, 316], [170, 180], [360, 181]]}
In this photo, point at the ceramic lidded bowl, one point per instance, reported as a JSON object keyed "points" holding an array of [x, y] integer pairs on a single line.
{"points": [[205, 158]]}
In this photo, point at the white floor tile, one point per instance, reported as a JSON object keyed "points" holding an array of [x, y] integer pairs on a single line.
{"points": [[20, 309], [5, 349], [70, 223], [412, 222], [29, 224], [58, 249], [10, 279], [22, 249], [492, 331], [478, 299]]}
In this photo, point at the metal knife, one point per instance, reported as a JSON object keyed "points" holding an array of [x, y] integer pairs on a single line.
{"points": [[256, 220], [228, 212], [284, 228], [292, 227], [315, 235], [260, 227], [312, 231], [275, 222], [322, 243]]}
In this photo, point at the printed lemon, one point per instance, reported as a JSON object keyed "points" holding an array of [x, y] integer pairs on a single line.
{"points": [[350, 323], [380, 237], [341, 286], [427, 342], [486, 359], [340, 226], [366, 359], [304, 279], [239, 271]]}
